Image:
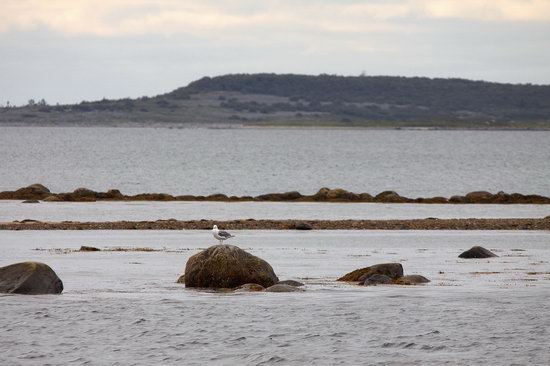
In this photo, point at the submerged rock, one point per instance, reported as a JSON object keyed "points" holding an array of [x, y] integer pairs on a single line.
{"points": [[227, 266], [290, 283], [31, 201], [283, 288], [392, 270], [411, 280], [29, 278], [477, 252], [250, 287]]}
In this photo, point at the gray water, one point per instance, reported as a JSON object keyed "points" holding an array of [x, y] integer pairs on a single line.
{"points": [[151, 211], [256, 161], [123, 308]]}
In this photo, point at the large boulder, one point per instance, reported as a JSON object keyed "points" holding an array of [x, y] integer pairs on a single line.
{"points": [[29, 278], [477, 252], [392, 270], [227, 266]]}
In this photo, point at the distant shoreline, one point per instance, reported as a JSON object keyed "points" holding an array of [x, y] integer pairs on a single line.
{"points": [[251, 224], [229, 126]]}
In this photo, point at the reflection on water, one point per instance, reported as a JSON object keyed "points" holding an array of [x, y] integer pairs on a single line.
{"points": [[124, 307]]}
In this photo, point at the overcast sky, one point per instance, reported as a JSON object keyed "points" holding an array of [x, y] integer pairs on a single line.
{"points": [[72, 50]]}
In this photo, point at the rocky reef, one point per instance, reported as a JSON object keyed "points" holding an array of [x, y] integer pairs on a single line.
{"points": [[40, 192]]}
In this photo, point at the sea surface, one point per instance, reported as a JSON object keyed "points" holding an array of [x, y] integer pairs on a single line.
{"points": [[150, 211], [256, 161], [122, 308]]}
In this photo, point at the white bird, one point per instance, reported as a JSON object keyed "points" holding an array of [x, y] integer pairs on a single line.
{"points": [[220, 234]]}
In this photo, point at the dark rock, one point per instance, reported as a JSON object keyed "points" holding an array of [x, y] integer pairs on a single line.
{"points": [[30, 201], [32, 192], [283, 288], [434, 200], [301, 225], [478, 197], [217, 197], [376, 279], [411, 280], [339, 194], [389, 197], [290, 283], [83, 192], [250, 287], [158, 197], [181, 279], [477, 252], [52, 198], [365, 197], [29, 278], [457, 199], [85, 248], [392, 270], [111, 194], [227, 266]]}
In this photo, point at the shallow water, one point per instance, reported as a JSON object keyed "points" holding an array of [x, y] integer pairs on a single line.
{"points": [[141, 211], [257, 161], [124, 307]]}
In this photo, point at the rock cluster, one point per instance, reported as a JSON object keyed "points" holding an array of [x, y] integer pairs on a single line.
{"points": [[382, 274], [40, 192]]}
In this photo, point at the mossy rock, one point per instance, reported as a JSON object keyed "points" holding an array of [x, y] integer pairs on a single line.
{"points": [[227, 266], [392, 270]]}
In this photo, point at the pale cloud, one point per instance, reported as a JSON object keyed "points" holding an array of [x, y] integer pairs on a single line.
{"points": [[109, 18]]}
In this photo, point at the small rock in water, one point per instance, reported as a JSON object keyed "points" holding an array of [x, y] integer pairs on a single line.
{"points": [[290, 283], [85, 248], [31, 201], [377, 279], [181, 279], [250, 287], [411, 280], [283, 288], [477, 252], [392, 270]]}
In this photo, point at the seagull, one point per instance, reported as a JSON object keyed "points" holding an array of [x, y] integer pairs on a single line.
{"points": [[220, 234]]}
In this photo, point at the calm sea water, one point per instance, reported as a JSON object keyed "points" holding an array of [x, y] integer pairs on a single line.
{"points": [[256, 161], [123, 308], [150, 211]]}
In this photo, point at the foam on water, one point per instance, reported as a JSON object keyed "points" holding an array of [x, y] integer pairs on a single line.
{"points": [[125, 307]]}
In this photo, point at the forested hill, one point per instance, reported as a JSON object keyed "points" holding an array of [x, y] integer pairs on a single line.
{"points": [[397, 98], [302, 100]]}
